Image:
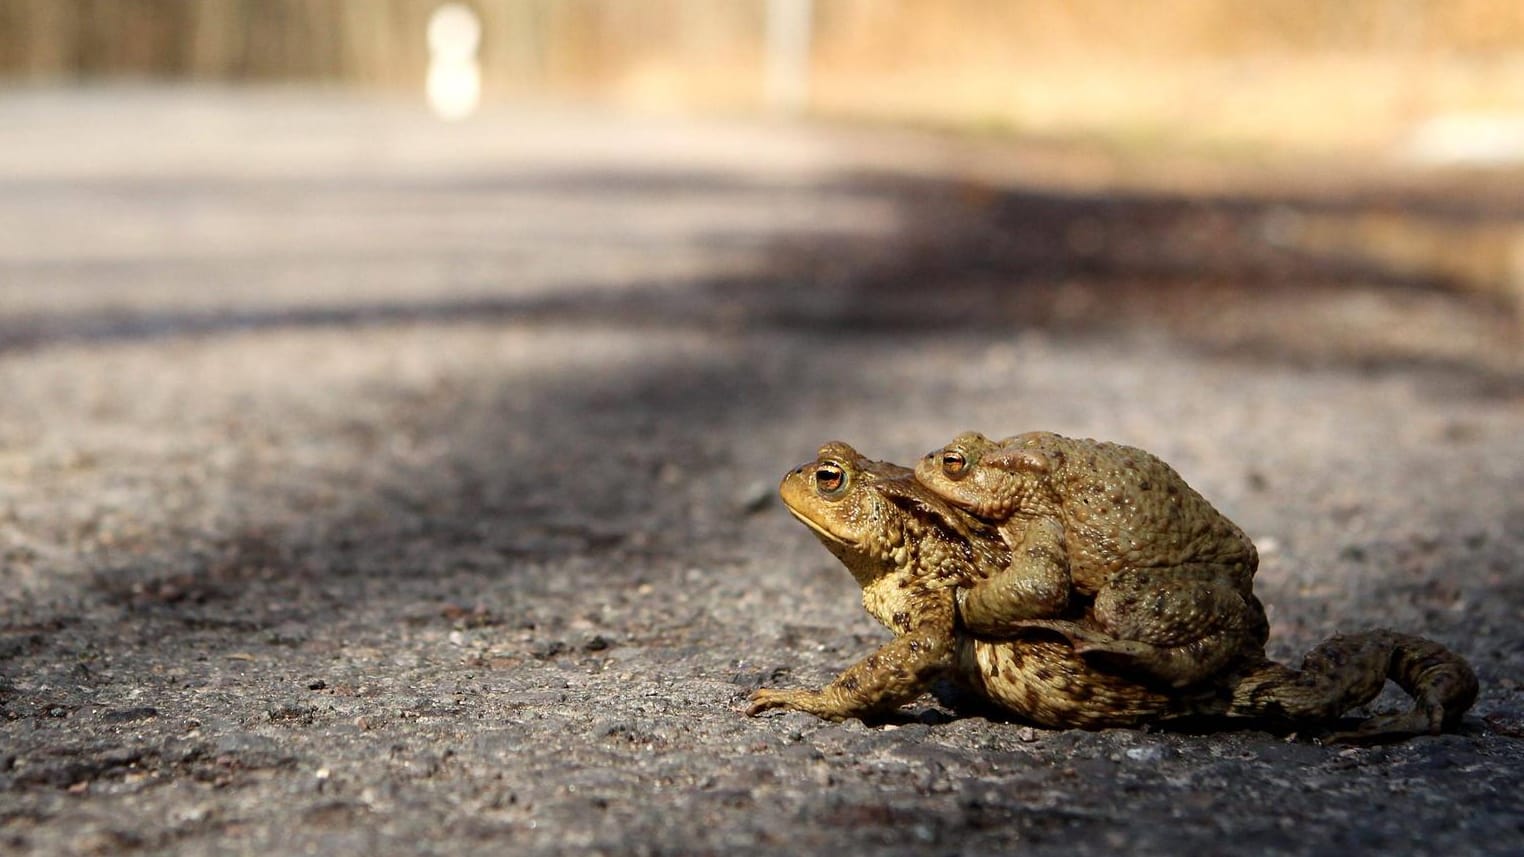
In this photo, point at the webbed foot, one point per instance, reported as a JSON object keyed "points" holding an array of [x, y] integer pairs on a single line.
{"points": [[1089, 640], [1078, 635]]}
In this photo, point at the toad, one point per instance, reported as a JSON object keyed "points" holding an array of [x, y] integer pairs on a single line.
{"points": [[912, 553], [1164, 580]]}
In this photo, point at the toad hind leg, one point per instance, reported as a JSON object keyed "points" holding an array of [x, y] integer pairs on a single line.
{"points": [[1179, 665], [898, 672], [1348, 671], [1180, 626]]}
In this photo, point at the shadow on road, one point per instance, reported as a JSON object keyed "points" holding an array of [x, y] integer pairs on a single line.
{"points": [[1364, 279]]}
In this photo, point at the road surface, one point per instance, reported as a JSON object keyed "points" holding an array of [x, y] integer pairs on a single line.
{"points": [[373, 485]]}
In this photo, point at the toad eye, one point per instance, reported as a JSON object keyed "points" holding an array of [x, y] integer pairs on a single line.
{"points": [[830, 479], [954, 463]]}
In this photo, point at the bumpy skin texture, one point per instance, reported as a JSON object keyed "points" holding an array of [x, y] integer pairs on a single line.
{"points": [[911, 552], [1110, 548]]}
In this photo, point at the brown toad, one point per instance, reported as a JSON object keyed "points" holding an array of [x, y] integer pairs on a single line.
{"points": [[911, 552], [1163, 580]]}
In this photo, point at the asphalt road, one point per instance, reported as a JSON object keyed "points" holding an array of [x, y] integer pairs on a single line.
{"points": [[371, 485]]}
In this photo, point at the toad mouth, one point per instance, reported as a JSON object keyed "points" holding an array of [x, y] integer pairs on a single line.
{"points": [[820, 531]]}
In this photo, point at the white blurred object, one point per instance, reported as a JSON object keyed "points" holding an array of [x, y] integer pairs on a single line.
{"points": [[454, 83], [454, 90], [1468, 139], [454, 34], [787, 83]]}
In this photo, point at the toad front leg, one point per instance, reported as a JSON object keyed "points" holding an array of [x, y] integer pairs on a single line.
{"points": [[898, 672], [1034, 586]]}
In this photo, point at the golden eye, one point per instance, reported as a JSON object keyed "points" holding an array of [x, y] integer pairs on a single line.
{"points": [[953, 463], [830, 479]]}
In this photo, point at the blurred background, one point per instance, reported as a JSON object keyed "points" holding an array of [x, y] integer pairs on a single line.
{"points": [[1305, 73], [1342, 143]]}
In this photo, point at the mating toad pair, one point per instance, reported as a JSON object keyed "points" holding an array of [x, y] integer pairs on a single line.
{"points": [[1078, 583]]}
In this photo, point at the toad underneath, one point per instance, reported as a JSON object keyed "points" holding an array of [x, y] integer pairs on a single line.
{"points": [[912, 553]]}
